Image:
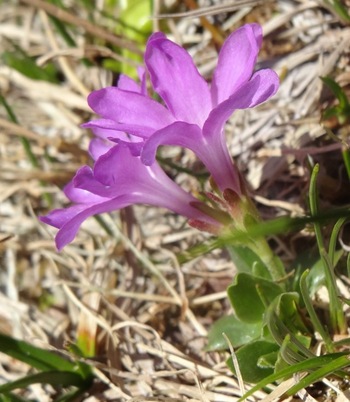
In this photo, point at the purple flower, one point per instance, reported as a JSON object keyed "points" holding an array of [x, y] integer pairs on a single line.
{"points": [[194, 113], [119, 179]]}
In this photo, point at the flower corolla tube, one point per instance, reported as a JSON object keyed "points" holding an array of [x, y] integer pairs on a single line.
{"points": [[192, 114]]}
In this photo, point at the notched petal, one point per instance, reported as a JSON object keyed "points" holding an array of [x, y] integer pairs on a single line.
{"points": [[236, 62], [128, 107], [176, 79]]}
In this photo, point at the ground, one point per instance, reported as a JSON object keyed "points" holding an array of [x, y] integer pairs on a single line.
{"points": [[146, 315]]}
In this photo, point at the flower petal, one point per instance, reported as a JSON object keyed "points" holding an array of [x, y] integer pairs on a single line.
{"points": [[261, 87], [116, 128], [79, 195], [236, 61], [98, 147], [70, 219], [86, 181], [141, 71], [212, 152], [119, 166], [118, 179], [123, 106], [59, 217], [179, 133], [120, 172], [105, 132], [128, 84], [176, 79]]}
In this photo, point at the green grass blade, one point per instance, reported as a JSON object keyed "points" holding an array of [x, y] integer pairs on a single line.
{"points": [[334, 239], [61, 29], [346, 159], [337, 90], [26, 144], [10, 397], [339, 9], [54, 378], [337, 318], [306, 365], [28, 67], [38, 358], [321, 373], [313, 316], [72, 396]]}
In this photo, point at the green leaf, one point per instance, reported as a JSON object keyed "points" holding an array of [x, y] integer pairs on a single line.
{"points": [[248, 357], [294, 346], [286, 310], [282, 317], [54, 378], [316, 278], [246, 260], [249, 294], [238, 333], [40, 359], [268, 361]]}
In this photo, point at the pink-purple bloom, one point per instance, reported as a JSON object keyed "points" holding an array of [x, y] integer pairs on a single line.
{"points": [[192, 115], [117, 180]]}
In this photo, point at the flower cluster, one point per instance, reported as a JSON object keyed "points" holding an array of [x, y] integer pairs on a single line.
{"points": [[192, 114]]}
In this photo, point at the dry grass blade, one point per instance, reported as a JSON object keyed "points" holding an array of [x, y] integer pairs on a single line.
{"points": [[215, 9], [20, 131]]}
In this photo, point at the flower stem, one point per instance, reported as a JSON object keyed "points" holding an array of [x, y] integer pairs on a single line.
{"points": [[272, 262], [261, 247]]}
